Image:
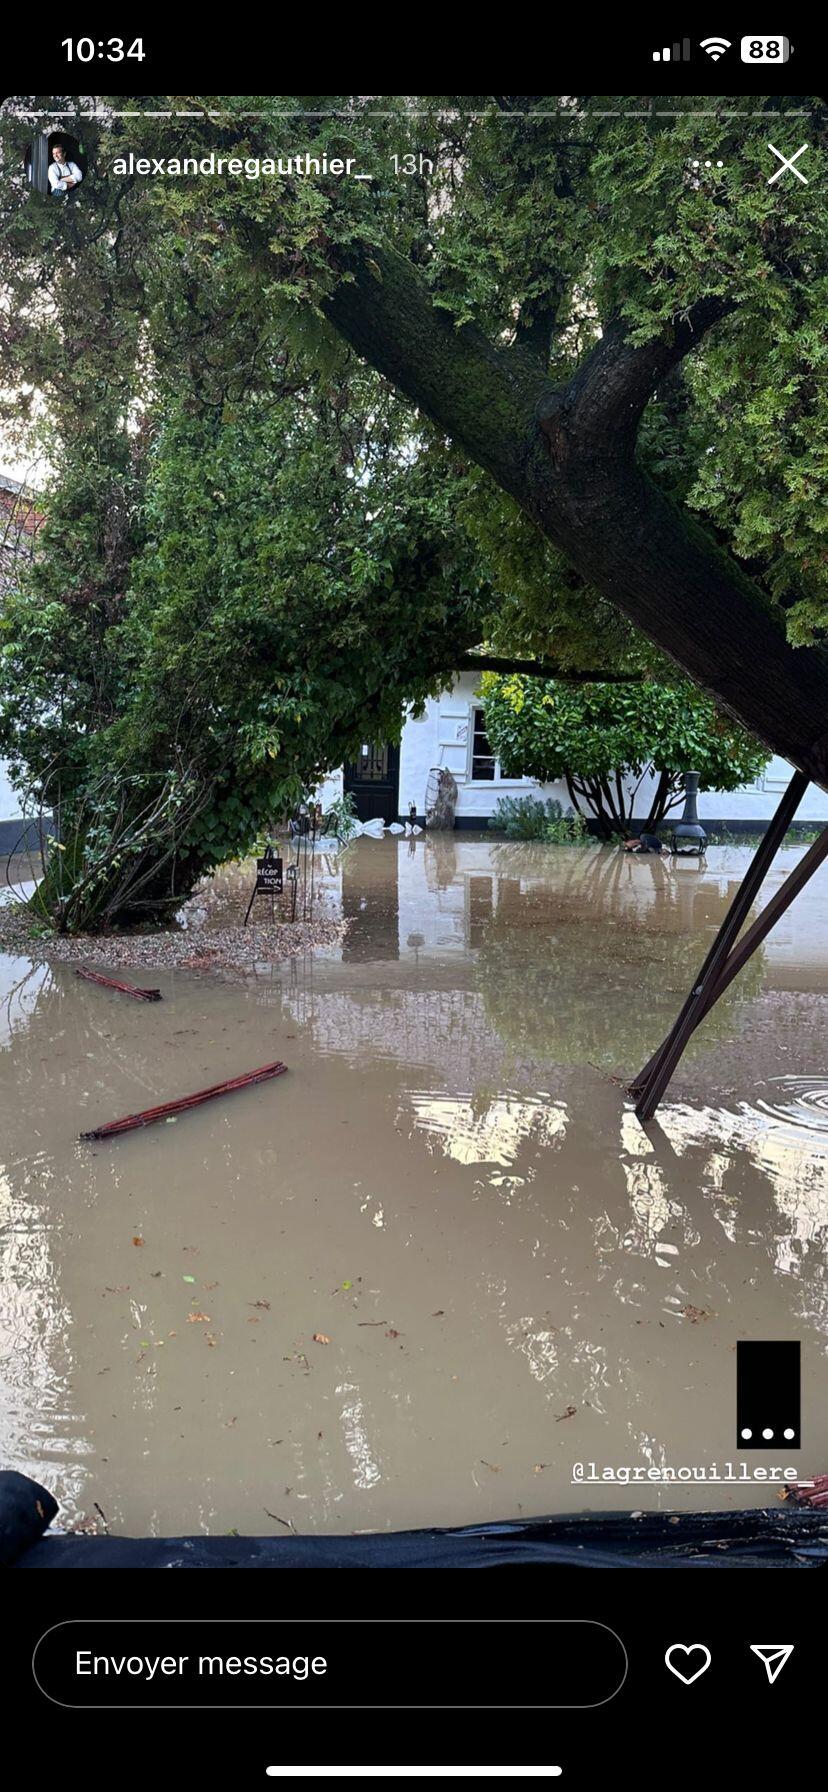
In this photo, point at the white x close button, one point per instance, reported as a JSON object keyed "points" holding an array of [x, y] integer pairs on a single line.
{"points": [[788, 164]]}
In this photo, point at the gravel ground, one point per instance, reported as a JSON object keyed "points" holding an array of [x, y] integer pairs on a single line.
{"points": [[198, 949]]}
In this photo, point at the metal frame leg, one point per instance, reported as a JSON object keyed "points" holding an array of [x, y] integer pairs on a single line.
{"points": [[785, 895], [652, 1080]]}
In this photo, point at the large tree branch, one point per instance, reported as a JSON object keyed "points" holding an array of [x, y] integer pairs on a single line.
{"points": [[482, 396], [617, 379], [491, 662], [567, 455]]}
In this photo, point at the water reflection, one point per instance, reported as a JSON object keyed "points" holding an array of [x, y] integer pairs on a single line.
{"points": [[440, 1262], [487, 1131]]}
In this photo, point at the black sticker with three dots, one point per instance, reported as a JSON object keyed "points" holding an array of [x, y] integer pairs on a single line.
{"points": [[768, 1395]]}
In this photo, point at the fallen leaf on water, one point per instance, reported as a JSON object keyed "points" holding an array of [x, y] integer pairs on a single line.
{"points": [[694, 1314], [188, 1278], [137, 1240], [392, 1333], [198, 1319], [494, 1466], [321, 1338], [539, 1468], [260, 1303]]}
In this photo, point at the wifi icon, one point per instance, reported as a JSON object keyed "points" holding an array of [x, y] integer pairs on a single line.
{"points": [[715, 46]]}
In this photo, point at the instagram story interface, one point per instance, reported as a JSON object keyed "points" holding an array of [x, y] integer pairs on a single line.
{"points": [[413, 813]]}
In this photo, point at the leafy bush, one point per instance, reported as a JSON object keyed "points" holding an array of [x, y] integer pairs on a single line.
{"points": [[341, 817], [608, 740], [528, 818], [238, 646], [567, 828]]}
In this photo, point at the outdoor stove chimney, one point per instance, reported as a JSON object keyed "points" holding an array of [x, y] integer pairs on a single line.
{"points": [[688, 835]]}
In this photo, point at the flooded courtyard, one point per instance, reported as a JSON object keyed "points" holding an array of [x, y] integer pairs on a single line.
{"points": [[422, 1276]]}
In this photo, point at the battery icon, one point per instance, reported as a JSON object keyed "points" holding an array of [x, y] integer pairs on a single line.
{"points": [[766, 50]]}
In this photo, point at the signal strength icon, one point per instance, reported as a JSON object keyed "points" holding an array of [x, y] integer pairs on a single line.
{"points": [[715, 46], [674, 53]]}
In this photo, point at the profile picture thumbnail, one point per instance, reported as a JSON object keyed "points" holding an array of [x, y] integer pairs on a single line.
{"points": [[55, 164]]}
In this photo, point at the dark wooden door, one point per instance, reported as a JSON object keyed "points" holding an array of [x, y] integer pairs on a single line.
{"points": [[373, 780]]}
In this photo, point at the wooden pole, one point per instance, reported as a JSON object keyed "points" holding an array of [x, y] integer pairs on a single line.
{"points": [[123, 988], [167, 1109]]}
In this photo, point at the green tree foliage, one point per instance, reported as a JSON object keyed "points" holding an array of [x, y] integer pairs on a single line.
{"points": [[605, 740], [279, 605], [283, 608], [283, 499], [534, 229]]}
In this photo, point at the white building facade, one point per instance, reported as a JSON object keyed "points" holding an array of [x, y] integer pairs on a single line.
{"points": [[451, 733]]}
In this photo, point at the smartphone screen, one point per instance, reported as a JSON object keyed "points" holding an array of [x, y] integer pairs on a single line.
{"points": [[412, 516]]}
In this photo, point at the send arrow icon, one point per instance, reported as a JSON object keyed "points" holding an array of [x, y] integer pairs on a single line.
{"points": [[774, 1656]]}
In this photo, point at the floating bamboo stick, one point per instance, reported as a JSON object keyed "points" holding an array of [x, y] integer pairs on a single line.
{"points": [[167, 1108], [809, 1493], [126, 989]]}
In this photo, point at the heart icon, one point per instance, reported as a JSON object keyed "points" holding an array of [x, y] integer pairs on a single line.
{"points": [[687, 1649]]}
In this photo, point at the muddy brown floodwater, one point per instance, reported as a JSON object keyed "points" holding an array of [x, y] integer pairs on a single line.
{"points": [[417, 1279]]}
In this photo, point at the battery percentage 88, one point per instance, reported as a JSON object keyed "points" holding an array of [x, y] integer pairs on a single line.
{"points": [[766, 49]]}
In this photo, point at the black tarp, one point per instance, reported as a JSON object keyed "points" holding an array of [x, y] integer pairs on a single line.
{"points": [[26, 1509], [782, 1537]]}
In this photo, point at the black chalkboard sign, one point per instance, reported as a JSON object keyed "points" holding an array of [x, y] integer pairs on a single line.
{"points": [[269, 874], [268, 880]]}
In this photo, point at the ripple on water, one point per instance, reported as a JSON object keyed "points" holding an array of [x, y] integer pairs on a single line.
{"points": [[783, 1136], [803, 1107]]}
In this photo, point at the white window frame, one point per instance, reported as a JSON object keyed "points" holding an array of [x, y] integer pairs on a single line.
{"points": [[498, 781], [475, 710]]}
